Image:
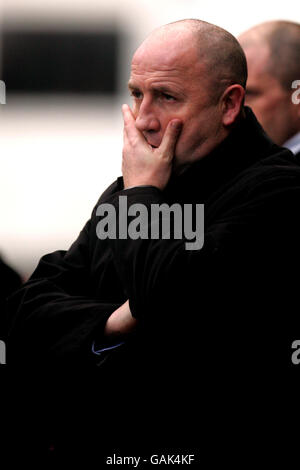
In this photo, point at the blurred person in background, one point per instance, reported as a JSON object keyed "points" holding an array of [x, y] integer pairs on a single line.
{"points": [[189, 347], [273, 56]]}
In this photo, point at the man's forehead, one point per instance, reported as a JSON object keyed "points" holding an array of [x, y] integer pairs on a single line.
{"points": [[167, 55], [258, 56]]}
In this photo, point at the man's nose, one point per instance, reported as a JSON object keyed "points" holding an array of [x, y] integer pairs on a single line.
{"points": [[146, 118]]}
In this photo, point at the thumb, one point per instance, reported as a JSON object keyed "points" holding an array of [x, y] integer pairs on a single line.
{"points": [[170, 138]]}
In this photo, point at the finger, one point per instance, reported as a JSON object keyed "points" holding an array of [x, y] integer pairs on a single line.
{"points": [[170, 138], [125, 138], [130, 129], [127, 115], [129, 121]]}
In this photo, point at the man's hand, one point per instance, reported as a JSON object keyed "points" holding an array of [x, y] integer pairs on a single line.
{"points": [[121, 322], [142, 164]]}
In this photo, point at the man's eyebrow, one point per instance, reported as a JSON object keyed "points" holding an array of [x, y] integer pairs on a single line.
{"points": [[132, 86], [163, 89], [157, 88]]}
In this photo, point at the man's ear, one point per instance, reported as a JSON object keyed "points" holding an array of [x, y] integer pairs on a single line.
{"points": [[232, 101]]}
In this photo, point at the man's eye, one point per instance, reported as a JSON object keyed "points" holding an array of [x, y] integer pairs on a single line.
{"points": [[136, 94], [252, 93], [168, 97]]}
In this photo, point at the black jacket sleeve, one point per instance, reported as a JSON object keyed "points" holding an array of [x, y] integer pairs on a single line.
{"points": [[57, 314]]}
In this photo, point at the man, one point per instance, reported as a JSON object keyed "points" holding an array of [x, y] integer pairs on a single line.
{"points": [[273, 56], [185, 340]]}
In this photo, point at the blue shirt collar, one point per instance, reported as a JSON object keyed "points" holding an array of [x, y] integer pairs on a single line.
{"points": [[293, 143]]}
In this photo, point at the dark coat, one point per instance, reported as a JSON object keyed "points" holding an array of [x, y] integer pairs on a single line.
{"points": [[10, 281], [216, 327]]}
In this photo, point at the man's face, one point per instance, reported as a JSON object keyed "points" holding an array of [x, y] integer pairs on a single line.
{"points": [[166, 82], [270, 103]]}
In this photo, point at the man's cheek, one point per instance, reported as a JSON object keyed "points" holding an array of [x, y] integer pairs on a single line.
{"points": [[182, 139], [180, 147]]}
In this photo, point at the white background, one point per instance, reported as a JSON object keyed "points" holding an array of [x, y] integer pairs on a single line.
{"points": [[57, 155]]}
